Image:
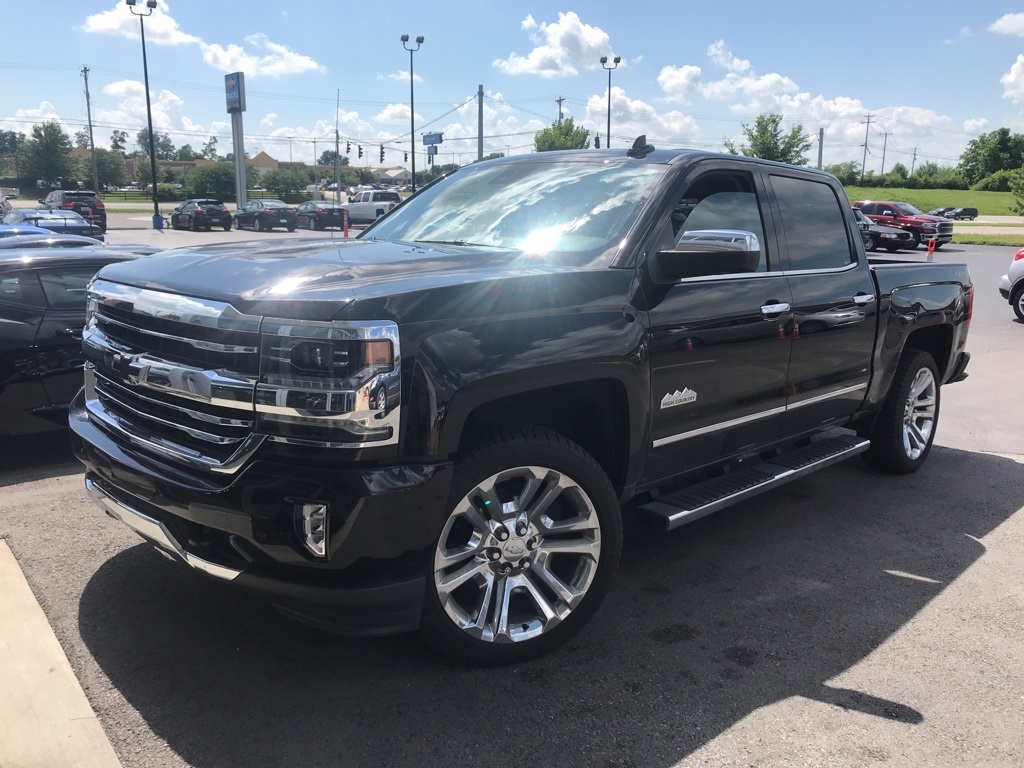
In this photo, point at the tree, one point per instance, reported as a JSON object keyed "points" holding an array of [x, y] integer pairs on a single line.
{"points": [[118, 141], [281, 182], [210, 149], [1017, 188], [847, 172], [766, 140], [996, 151], [82, 139], [10, 141], [563, 135], [185, 152], [494, 155], [162, 145], [217, 180], [328, 155], [110, 167], [46, 154]]}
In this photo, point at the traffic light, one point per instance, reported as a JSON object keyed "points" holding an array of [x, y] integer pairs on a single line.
{"points": [[597, 141], [382, 153], [407, 157], [348, 147], [360, 150]]}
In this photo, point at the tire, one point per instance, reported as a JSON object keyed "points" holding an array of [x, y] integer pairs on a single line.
{"points": [[905, 428], [257, 224], [1018, 302], [892, 248], [873, 246], [192, 224], [174, 222], [227, 227], [917, 242], [314, 224], [551, 562], [380, 399], [291, 228], [380, 212]]}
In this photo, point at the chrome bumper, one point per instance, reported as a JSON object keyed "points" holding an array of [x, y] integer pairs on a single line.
{"points": [[155, 531]]}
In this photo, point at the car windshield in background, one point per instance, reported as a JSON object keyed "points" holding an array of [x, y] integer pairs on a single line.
{"points": [[908, 210], [275, 204], [573, 209]]}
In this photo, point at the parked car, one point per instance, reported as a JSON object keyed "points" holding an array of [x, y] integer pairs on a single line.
{"points": [[319, 214], [42, 313], [944, 212], [368, 205], [922, 226], [970, 214], [533, 329], [50, 240], [876, 236], [201, 213], [16, 230], [85, 203], [62, 222], [1011, 285], [266, 214]]}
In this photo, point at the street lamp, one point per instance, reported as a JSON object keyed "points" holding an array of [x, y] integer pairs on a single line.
{"points": [[412, 105], [604, 63], [158, 221]]}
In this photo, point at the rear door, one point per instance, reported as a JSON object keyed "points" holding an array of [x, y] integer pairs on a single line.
{"points": [[21, 384], [718, 346], [834, 301]]}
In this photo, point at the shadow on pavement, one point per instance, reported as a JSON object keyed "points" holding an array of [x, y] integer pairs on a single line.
{"points": [[36, 457], [769, 600]]}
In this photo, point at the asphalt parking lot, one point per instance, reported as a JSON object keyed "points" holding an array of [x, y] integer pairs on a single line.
{"points": [[847, 619]]}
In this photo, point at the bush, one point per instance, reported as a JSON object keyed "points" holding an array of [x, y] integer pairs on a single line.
{"points": [[999, 181], [167, 193]]}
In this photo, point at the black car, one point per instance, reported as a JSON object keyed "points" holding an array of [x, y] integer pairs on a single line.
{"points": [[60, 222], [944, 211], [319, 214], [266, 214], [878, 236], [42, 313], [85, 203], [201, 213], [963, 213]]}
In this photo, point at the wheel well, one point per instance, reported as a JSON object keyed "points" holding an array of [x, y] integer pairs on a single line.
{"points": [[936, 340], [593, 414]]}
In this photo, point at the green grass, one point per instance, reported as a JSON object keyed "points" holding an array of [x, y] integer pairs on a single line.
{"points": [[987, 203], [969, 239]]}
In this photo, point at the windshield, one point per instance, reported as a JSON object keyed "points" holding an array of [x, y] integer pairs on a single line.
{"points": [[860, 216], [575, 210], [908, 210]]}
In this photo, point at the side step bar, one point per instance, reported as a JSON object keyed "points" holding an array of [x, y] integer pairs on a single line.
{"points": [[696, 501]]}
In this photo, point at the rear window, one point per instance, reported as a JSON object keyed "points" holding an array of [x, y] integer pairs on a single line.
{"points": [[392, 197], [86, 196]]}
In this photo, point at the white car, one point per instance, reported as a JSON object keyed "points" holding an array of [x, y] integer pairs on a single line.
{"points": [[1011, 285]]}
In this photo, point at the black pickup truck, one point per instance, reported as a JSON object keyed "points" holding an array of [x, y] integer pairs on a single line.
{"points": [[442, 424]]}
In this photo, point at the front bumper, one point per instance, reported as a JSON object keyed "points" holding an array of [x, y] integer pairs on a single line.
{"points": [[382, 522], [1004, 286]]}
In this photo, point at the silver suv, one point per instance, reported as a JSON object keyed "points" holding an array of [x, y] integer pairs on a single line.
{"points": [[1011, 285]]}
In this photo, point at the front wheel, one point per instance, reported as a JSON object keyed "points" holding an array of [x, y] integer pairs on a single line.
{"points": [[528, 551], [917, 241], [291, 227], [903, 433], [872, 244], [1018, 303]]}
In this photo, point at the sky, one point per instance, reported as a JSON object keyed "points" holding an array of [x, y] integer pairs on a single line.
{"points": [[931, 75]]}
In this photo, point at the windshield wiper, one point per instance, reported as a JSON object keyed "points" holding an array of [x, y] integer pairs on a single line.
{"points": [[458, 242]]}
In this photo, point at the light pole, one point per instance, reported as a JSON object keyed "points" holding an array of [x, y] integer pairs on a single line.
{"points": [[412, 105], [158, 221], [608, 130]]}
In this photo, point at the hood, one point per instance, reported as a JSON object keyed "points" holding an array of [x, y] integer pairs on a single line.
{"points": [[332, 271], [927, 217]]}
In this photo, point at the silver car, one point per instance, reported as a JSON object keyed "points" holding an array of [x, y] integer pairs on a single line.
{"points": [[1011, 285]]}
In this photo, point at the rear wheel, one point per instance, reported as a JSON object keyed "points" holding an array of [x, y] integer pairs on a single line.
{"points": [[258, 224], [227, 227], [528, 551], [291, 227], [192, 224], [903, 433], [1018, 302]]}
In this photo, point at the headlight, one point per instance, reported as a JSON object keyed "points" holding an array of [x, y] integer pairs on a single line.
{"points": [[317, 381]]}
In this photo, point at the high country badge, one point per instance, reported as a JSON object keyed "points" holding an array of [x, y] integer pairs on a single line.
{"points": [[678, 398]]}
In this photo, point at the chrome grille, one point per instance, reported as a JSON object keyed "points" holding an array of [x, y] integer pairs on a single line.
{"points": [[944, 228], [174, 375]]}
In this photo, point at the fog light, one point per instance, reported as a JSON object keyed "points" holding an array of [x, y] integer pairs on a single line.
{"points": [[313, 528]]}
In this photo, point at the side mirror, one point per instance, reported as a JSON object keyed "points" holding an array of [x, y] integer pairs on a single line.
{"points": [[41, 202], [705, 252], [887, 212]]}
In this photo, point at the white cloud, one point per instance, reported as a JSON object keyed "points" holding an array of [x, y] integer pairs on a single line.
{"points": [[976, 125], [1009, 24], [269, 119], [131, 111], [1013, 81], [402, 76], [633, 117], [560, 47], [394, 114], [680, 84], [723, 57], [23, 119], [262, 57]]}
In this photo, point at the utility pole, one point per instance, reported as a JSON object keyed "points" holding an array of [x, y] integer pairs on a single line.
{"points": [[913, 162], [92, 144], [864, 161], [337, 152], [560, 99], [885, 143], [821, 142], [480, 122]]}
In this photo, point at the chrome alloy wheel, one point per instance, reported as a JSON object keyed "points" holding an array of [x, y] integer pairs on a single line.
{"points": [[517, 554], [919, 414]]}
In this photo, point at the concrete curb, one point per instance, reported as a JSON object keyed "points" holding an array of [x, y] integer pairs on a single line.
{"points": [[45, 719]]}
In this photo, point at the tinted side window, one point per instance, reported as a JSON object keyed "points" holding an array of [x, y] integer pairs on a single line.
{"points": [[20, 289], [65, 287], [813, 223]]}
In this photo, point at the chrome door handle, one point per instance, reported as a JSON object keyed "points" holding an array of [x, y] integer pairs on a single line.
{"points": [[864, 298], [774, 309]]}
